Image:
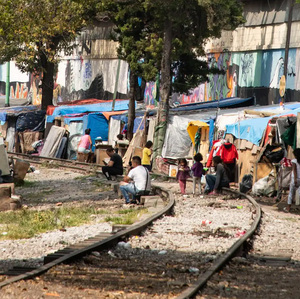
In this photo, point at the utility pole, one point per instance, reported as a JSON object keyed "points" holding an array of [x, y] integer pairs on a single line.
{"points": [[288, 36], [7, 89]]}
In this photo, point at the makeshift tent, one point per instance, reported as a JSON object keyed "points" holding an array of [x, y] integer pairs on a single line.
{"points": [[177, 142], [100, 107], [199, 134], [99, 127], [193, 128], [249, 129]]}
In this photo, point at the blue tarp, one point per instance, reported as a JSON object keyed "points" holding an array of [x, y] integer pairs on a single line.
{"points": [[100, 107], [32, 121], [250, 129], [98, 125], [253, 129], [15, 111], [223, 103]]}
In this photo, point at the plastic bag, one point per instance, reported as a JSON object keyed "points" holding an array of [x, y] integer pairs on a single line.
{"points": [[265, 186], [246, 183]]}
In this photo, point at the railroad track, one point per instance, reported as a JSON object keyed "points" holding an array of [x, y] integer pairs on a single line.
{"points": [[106, 241]]}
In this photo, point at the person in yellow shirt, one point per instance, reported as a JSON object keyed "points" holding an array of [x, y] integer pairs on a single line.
{"points": [[147, 152]]}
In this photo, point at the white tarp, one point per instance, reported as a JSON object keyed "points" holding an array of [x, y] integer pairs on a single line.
{"points": [[75, 130], [151, 128], [177, 140], [114, 130]]}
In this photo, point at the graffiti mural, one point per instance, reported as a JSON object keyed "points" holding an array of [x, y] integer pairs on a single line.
{"points": [[150, 94]]}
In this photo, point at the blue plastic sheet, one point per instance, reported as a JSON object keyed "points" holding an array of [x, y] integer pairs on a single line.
{"points": [[100, 107], [99, 127]]}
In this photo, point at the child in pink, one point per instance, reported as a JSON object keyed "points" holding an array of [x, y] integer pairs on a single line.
{"points": [[183, 174]]}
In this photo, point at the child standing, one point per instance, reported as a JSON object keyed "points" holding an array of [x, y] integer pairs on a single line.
{"points": [[295, 179], [197, 170], [183, 174], [147, 152]]}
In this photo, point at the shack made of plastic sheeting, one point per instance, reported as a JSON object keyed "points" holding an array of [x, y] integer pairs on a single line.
{"points": [[193, 127], [177, 142], [98, 124], [249, 129]]}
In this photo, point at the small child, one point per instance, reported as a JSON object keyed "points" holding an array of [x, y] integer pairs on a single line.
{"points": [[197, 170], [295, 179], [183, 174], [147, 152]]}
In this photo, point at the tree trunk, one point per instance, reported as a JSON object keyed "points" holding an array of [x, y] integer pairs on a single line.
{"points": [[165, 88], [47, 85], [131, 106]]}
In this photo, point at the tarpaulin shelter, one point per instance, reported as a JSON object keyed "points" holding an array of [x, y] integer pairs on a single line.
{"points": [[199, 133], [193, 128]]}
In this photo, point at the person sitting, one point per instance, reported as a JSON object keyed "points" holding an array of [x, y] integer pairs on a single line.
{"points": [[85, 145], [147, 152], [137, 180], [295, 179], [121, 141], [214, 183], [114, 166]]}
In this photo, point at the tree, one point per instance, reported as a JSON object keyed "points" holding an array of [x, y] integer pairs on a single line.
{"points": [[35, 32], [184, 26], [132, 31], [168, 37]]}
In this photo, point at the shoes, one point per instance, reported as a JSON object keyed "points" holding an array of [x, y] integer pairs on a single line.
{"points": [[286, 210], [213, 193]]}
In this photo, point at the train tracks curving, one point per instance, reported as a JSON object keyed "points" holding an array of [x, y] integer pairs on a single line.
{"points": [[114, 256]]}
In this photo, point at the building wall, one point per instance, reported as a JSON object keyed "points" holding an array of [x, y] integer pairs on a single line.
{"points": [[89, 72], [252, 57]]}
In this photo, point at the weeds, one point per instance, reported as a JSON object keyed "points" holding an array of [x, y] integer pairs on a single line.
{"points": [[128, 216], [26, 223]]}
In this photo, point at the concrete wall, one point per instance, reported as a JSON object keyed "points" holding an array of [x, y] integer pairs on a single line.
{"points": [[252, 57]]}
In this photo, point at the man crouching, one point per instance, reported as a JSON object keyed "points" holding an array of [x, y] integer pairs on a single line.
{"points": [[137, 180]]}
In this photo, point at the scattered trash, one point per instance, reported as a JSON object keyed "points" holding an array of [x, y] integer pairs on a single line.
{"points": [[59, 204], [62, 229], [121, 244], [96, 253], [111, 254], [205, 222], [124, 245], [193, 270], [240, 233], [239, 207], [201, 196], [127, 246], [162, 252], [4, 233]]}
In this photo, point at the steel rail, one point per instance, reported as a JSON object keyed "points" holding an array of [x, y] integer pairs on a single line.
{"points": [[228, 255], [110, 241]]}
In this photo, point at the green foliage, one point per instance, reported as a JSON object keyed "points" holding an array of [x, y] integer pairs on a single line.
{"points": [[35, 32], [32, 29], [129, 216], [141, 26]]}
